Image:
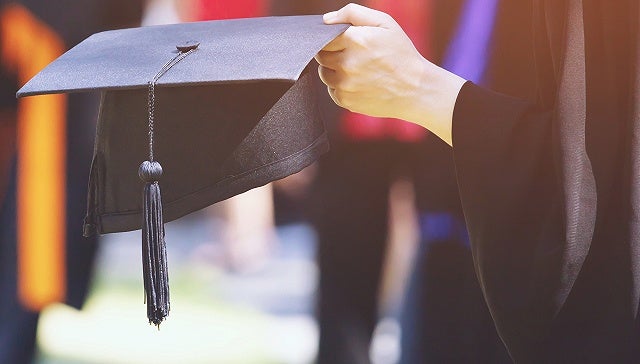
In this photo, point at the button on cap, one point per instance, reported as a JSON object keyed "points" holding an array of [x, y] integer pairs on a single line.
{"points": [[188, 45]]}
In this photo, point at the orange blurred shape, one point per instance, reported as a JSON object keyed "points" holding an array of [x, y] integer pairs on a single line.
{"points": [[28, 45]]}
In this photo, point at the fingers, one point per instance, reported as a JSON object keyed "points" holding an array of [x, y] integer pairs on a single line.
{"points": [[334, 97], [329, 77], [330, 59], [338, 97], [359, 15], [332, 71]]}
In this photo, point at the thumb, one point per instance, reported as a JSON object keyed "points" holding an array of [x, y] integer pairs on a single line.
{"points": [[359, 15]]}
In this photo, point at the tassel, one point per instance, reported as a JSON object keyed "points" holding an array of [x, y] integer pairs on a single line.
{"points": [[154, 249]]}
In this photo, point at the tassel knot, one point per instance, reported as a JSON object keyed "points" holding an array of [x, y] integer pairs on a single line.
{"points": [[150, 171]]}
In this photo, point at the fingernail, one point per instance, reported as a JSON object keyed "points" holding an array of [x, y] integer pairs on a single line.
{"points": [[328, 17]]}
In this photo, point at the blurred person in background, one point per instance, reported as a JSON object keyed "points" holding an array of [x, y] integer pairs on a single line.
{"points": [[351, 212], [45, 152]]}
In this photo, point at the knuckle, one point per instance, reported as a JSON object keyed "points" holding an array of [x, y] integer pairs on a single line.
{"points": [[334, 96], [349, 66], [389, 18], [360, 37], [344, 84], [324, 76], [350, 7], [348, 104], [320, 74], [342, 98]]}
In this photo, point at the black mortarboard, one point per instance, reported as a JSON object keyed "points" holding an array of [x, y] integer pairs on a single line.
{"points": [[225, 106]]}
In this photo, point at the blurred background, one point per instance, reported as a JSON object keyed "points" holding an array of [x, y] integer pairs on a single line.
{"points": [[361, 258]]}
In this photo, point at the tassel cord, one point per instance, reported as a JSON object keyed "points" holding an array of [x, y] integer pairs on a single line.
{"points": [[154, 250], [152, 94]]}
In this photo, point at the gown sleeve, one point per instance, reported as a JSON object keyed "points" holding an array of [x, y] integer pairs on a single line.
{"points": [[507, 173]]}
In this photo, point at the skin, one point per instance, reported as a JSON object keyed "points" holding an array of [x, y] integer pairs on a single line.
{"points": [[373, 68]]}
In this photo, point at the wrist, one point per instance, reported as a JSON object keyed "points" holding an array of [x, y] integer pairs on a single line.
{"points": [[433, 99]]}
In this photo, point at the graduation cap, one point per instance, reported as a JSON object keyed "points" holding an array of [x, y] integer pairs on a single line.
{"points": [[225, 106]]}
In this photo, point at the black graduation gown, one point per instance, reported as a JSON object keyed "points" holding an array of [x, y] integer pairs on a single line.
{"points": [[551, 190]]}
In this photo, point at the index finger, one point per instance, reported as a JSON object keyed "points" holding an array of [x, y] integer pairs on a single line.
{"points": [[361, 16]]}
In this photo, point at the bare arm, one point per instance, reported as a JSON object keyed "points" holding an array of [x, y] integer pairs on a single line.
{"points": [[374, 69]]}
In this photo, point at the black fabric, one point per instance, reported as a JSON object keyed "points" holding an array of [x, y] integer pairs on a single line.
{"points": [[8, 105], [203, 162], [512, 159], [445, 319], [500, 165], [7, 90], [511, 66], [230, 51], [80, 251], [240, 112], [350, 213]]}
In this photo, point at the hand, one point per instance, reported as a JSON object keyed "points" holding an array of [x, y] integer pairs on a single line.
{"points": [[374, 69]]}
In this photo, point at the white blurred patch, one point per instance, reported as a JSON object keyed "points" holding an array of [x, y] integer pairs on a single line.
{"points": [[385, 346]]}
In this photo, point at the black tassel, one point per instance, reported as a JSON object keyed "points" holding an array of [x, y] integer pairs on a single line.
{"points": [[154, 249]]}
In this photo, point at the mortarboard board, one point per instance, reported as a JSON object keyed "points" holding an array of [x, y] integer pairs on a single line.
{"points": [[225, 106]]}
